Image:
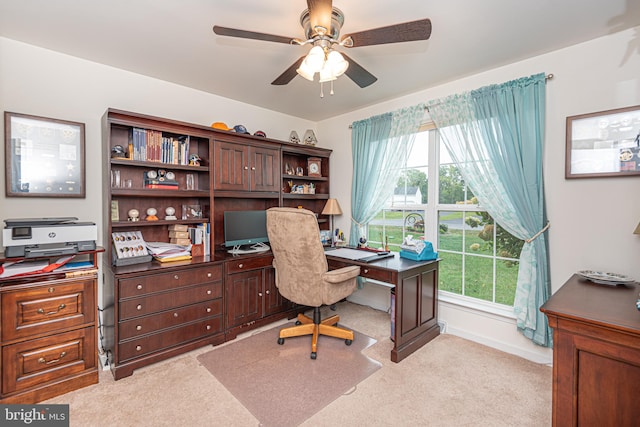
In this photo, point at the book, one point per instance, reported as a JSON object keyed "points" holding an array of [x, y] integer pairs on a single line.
{"points": [[180, 241], [178, 227], [179, 234]]}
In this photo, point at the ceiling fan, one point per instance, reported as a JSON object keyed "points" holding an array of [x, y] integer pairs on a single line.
{"points": [[322, 24]]}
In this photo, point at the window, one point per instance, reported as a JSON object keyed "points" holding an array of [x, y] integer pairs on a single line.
{"points": [[431, 200]]}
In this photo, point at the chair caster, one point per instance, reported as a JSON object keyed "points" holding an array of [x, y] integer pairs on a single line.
{"points": [[280, 341], [314, 355], [348, 342]]}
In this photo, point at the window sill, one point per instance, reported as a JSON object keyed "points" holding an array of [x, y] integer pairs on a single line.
{"points": [[475, 304]]}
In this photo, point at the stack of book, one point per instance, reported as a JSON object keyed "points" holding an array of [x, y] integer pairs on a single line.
{"points": [[164, 184], [166, 252], [179, 234]]}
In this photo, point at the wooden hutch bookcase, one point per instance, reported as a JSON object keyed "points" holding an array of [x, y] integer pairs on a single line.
{"points": [[152, 310]]}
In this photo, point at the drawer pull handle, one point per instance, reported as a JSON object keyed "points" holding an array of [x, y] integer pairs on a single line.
{"points": [[209, 292], [51, 290], [208, 327], [43, 360], [366, 270], [259, 294], [208, 309], [209, 274], [175, 314], [139, 307], [240, 265], [138, 348], [139, 287], [60, 307], [138, 328], [267, 292], [176, 277]]}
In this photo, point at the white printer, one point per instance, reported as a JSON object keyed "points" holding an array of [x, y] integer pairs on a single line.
{"points": [[36, 237]]}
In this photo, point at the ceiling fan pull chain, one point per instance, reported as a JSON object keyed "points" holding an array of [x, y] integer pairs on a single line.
{"points": [[321, 91], [331, 93]]}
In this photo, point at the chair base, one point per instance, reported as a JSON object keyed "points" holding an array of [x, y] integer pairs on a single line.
{"points": [[316, 327]]}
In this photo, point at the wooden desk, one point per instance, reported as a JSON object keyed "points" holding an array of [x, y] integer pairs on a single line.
{"points": [[596, 356], [416, 302]]}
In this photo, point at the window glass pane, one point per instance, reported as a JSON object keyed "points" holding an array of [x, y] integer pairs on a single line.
{"points": [[507, 245], [451, 185], [450, 231], [450, 272], [478, 278], [506, 279]]}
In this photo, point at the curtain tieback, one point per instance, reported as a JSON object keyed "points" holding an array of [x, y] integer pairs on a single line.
{"points": [[535, 236], [357, 223]]}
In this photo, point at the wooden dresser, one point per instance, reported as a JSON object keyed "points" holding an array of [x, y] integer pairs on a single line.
{"points": [[596, 357], [48, 334]]}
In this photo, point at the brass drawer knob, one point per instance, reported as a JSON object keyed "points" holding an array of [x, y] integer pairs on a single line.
{"points": [[209, 274], [175, 276], [209, 292], [208, 327], [259, 294], [139, 328], [208, 309], [51, 290], [139, 307], [139, 287], [240, 265], [138, 347], [43, 360], [175, 314]]}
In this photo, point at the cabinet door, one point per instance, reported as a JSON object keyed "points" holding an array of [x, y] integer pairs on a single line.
{"points": [[273, 301], [244, 303], [265, 169], [231, 166]]}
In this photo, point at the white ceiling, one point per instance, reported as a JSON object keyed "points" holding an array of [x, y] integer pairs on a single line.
{"points": [[173, 40]]}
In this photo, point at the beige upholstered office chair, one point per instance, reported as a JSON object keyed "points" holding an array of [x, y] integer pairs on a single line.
{"points": [[302, 274]]}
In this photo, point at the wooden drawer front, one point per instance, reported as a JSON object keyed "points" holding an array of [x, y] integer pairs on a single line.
{"points": [[167, 300], [168, 338], [155, 322], [365, 271], [49, 308], [248, 264], [161, 282], [35, 362]]}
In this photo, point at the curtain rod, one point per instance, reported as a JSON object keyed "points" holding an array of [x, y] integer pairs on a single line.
{"points": [[546, 77]]}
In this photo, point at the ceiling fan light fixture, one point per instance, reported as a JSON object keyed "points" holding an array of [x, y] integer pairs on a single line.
{"points": [[305, 71], [336, 62]]}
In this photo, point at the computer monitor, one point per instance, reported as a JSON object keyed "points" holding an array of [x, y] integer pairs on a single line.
{"points": [[246, 231]]}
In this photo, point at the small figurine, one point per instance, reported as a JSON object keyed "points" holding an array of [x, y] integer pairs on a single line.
{"points": [[151, 214], [194, 160], [170, 213], [134, 215], [117, 152], [294, 138], [310, 137]]}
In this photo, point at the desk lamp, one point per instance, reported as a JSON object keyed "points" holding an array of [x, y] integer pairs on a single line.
{"points": [[332, 208]]}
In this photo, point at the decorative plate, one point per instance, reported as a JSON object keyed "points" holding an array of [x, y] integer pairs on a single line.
{"points": [[605, 278]]}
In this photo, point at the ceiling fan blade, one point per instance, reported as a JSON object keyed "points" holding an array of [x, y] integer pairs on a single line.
{"points": [[232, 32], [358, 74], [289, 73], [320, 13], [406, 32]]}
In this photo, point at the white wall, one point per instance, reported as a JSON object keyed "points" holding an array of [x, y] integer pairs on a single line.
{"points": [[592, 220], [45, 83]]}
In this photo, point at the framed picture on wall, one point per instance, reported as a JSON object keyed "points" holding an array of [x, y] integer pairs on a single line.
{"points": [[603, 144], [44, 157]]}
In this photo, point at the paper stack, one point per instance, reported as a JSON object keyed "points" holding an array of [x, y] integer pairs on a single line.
{"points": [[165, 252]]}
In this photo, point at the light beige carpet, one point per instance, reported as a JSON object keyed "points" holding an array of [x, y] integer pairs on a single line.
{"points": [[280, 384]]}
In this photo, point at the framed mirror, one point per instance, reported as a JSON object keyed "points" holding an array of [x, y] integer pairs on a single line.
{"points": [[603, 144], [44, 157]]}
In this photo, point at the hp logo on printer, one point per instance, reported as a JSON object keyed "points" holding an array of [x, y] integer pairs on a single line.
{"points": [[52, 235]]}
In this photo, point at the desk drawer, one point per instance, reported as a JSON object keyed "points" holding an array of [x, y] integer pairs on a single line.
{"points": [[161, 282], [154, 303], [367, 271], [166, 339], [166, 319], [56, 305], [35, 362], [248, 264]]}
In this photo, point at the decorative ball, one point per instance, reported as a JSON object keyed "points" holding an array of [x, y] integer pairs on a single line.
{"points": [[170, 211], [152, 211], [133, 213]]}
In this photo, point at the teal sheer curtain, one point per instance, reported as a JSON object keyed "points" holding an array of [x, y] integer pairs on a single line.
{"points": [[495, 135], [379, 146]]}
